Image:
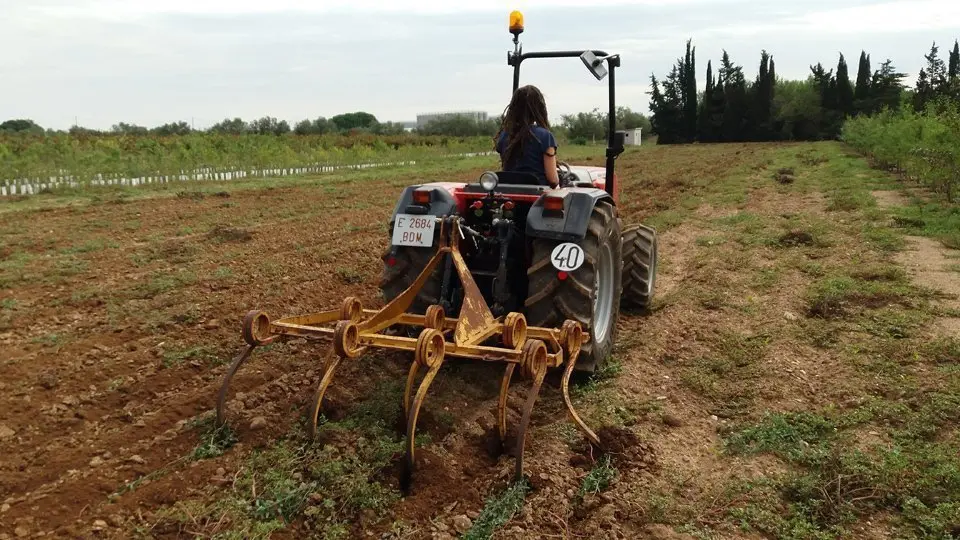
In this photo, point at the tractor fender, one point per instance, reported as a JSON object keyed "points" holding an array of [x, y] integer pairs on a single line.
{"points": [[578, 203], [442, 203]]}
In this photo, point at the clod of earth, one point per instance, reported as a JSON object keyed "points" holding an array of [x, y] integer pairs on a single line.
{"points": [[785, 178], [222, 233], [796, 238], [49, 381]]}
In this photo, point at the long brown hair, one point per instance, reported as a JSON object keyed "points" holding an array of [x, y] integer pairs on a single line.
{"points": [[526, 109]]}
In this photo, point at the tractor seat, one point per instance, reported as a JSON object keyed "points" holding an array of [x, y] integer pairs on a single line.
{"points": [[519, 178]]}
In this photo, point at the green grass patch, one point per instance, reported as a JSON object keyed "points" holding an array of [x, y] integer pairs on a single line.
{"points": [[497, 511], [350, 276], [223, 272], [840, 296], [89, 246], [725, 376], [70, 266], [710, 241], [599, 379], [850, 200], [937, 220], [172, 251], [835, 482], [894, 322], [598, 479], [208, 356], [943, 350], [214, 440], [883, 238], [163, 282], [328, 486]]}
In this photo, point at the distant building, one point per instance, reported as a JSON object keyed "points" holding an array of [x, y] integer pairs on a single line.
{"points": [[633, 137], [426, 118]]}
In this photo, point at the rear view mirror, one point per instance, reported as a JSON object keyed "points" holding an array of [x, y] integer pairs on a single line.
{"points": [[594, 64]]}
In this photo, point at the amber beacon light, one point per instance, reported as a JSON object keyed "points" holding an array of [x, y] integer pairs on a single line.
{"points": [[516, 22]]}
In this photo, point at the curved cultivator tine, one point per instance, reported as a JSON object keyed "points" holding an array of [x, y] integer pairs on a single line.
{"points": [[429, 354], [330, 366], [502, 403], [256, 332], [571, 338], [534, 365], [224, 387]]}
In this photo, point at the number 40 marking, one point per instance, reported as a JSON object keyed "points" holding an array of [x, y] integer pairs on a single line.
{"points": [[567, 257]]}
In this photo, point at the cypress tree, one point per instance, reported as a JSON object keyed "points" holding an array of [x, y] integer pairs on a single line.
{"points": [[736, 113], [772, 90], [954, 70], [716, 108], [861, 94], [690, 93], [924, 91], [844, 88], [704, 133], [762, 100]]}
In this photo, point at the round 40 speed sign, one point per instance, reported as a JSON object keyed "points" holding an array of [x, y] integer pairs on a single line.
{"points": [[567, 257]]}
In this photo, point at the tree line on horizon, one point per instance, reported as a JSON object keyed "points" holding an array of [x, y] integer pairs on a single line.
{"points": [[768, 108], [578, 128]]}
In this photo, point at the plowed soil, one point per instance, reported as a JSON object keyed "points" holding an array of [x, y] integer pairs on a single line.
{"points": [[120, 317]]}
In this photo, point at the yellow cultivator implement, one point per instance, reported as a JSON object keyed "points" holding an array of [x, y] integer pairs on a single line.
{"points": [[475, 334]]}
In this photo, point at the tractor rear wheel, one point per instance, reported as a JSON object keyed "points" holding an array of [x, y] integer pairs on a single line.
{"points": [[589, 295], [408, 262], [639, 267]]}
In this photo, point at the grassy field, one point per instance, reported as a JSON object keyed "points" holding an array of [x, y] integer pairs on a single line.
{"points": [[799, 377]]}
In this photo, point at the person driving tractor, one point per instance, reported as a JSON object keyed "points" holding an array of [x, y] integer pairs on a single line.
{"points": [[524, 142]]}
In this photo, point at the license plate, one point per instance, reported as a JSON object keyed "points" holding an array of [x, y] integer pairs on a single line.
{"points": [[411, 230]]}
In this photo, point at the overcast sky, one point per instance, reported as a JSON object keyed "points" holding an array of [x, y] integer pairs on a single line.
{"points": [[153, 61]]}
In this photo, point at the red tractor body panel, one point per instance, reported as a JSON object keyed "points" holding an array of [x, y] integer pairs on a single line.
{"points": [[594, 175]]}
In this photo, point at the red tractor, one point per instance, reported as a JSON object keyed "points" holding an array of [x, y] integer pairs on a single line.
{"points": [[552, 254]]}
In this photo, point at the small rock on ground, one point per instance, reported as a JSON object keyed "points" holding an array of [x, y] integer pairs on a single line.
{"points": [[462, 524], [672, 420]]}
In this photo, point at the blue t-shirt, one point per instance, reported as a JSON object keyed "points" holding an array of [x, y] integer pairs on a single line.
{"points": [[531, 157]]}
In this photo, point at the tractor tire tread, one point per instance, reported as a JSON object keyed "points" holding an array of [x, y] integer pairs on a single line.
{"points": [[639, 267], [552, 301]]}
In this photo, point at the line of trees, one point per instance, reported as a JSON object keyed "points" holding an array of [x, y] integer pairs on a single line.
{"points": [[347, 123], [578, 128], [733, 109]]}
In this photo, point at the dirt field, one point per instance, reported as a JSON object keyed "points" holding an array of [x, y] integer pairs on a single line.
{"points": [[798, 379]]}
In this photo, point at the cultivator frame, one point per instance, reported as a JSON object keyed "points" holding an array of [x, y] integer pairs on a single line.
{"points": [[354, 329]]}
